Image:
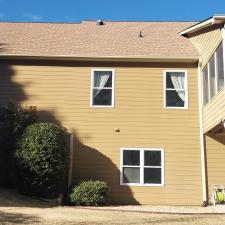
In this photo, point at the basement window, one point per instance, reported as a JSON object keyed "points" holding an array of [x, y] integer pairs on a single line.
{"points": [[102, 88], [142, 166]]}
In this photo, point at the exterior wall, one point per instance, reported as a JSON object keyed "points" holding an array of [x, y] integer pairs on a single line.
{"points": [[215, 156], [214, 111], [61, 93], [206, 42]]}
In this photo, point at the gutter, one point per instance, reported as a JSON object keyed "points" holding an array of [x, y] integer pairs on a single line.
{"points": [[101, 58]]}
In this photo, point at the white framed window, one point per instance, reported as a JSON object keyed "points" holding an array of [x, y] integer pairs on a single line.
{"points": [[213, 75], [142, 166], [175, 89], [102, 87]]}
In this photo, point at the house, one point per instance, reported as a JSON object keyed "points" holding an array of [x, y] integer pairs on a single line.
{"points": [[144, 101]]}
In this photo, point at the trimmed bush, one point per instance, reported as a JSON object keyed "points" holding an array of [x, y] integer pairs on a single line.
{"points": [[90, 193], [42, 160], [13, 121]]}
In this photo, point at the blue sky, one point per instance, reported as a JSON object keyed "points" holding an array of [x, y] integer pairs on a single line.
{"points": [[78, 10]]}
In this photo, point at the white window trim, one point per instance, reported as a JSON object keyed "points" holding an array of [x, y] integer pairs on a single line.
{"points": [[113, 88], [142, 167], [186, 89]]}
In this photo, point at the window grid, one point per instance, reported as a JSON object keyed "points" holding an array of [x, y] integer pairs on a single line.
{"points": [[97, 88], [104, 88], [142, 167], [174, 89]]}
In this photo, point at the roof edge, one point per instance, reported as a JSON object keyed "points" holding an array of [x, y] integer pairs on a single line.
{"points": [[216, 19], [101, 58]]}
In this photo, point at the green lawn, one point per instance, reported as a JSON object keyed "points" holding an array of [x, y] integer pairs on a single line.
{"points": [[16, 209]]}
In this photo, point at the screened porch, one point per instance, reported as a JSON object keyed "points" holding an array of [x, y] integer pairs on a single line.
{"points": [[214, 92]]}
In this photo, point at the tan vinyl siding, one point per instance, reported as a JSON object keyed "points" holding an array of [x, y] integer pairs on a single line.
{"points": [[214, 111], [206, 42], [215, 154], [62, 93]]}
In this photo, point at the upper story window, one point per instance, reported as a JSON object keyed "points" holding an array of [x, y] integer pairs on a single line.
{"points": [[142, 167], [102, 88], [213, 75], [175, 89]]}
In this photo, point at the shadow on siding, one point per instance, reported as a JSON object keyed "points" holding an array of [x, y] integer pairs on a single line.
{"points": [[10, 90], [88, 162], [218, 137], [91, 163]]}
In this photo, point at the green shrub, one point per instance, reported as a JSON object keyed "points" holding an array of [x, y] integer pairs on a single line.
{"points": [[90, 193], [42, 160], [13, 121]]}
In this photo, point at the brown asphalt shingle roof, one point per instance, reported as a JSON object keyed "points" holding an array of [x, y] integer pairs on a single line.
{"points": [[86, 39]]}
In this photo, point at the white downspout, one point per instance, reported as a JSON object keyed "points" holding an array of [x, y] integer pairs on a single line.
{"points": [[202, 144]]}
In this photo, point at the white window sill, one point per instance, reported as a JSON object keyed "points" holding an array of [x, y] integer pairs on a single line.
{"points": [[142, 185], [102, 106], [176, 107]]}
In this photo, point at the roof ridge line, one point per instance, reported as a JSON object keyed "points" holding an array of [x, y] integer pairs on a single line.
{"points": [[110, 21]]}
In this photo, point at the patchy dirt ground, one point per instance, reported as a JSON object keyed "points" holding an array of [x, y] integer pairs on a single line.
{"points": [[17, 209]]}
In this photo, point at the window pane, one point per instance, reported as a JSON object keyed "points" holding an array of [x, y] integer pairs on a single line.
{"points": [[152, 158], [131, 175], [175, 98], [175, 80], [102, 97], [152, 176], [220, 82], [205, 85], [131, 158], [212, 77], [103, 79]]}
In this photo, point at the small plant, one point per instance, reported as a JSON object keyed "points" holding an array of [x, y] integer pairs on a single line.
{"points": [[42, 160], [90, 193]]}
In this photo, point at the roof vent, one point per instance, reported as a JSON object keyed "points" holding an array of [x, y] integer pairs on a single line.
{"points": [[100, 22], [140, 35]]}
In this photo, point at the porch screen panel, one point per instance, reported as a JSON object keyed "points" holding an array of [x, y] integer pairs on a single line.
{"points": [[212, 77], [205, 85]]}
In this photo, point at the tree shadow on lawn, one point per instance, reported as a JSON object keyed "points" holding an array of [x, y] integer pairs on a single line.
{"points": [[17, 218], [10, 198]]}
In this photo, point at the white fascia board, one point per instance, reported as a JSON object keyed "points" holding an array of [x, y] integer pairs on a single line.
{"points": [[213, 20]]}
